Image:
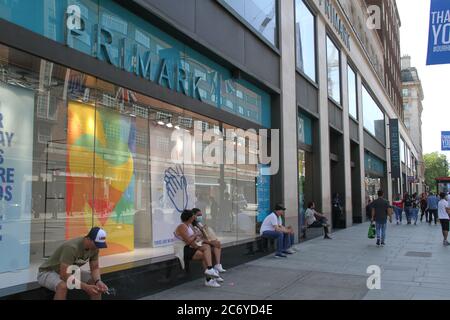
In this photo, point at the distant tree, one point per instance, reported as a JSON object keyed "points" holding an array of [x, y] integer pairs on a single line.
{"points": [[436, 165]]}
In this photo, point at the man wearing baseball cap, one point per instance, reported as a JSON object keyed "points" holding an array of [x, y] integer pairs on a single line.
{"points": [[55, 274]]}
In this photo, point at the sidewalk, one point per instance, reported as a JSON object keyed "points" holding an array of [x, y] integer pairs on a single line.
{"points": [[414, 265]]}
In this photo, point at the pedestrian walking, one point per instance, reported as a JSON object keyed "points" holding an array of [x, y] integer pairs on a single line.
{"points": [[415, 208], [398, 208], [381, 211], [443, 212], [432, 204], [423, 207], [407, 205]]}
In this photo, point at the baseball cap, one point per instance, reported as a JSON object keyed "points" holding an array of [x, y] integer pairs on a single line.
{"points": [[280, 206], [98, 235]]}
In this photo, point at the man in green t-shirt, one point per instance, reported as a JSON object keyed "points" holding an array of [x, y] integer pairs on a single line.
{"points": [[54, 273]]}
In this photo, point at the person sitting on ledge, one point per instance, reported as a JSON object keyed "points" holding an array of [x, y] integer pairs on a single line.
{"points": [[54, 274], [208, 237], [272, 228], [316, 220], [195, 249]]}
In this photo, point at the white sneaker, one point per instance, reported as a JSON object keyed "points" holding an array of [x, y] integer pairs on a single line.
{"points": [[291, 251], [212, 283], [219, 279], [219, 268], [211, 273]]}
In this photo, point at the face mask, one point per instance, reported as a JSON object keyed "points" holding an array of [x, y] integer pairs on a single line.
{"points": [[199, 219]]}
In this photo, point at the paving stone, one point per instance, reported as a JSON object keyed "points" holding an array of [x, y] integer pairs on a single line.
{"points": [[413, 265]]}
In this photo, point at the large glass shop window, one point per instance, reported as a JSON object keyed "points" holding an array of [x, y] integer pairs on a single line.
{"points": [[373, 117], [78, 152]]}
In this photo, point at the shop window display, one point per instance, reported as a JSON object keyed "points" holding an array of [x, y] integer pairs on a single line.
{"points": [[90, 153]]}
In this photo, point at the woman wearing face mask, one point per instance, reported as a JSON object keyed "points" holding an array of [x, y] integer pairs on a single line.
{"points": [[187, 241], [208, 238]]}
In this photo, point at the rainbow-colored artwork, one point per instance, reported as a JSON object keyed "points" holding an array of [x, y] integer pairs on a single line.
{"points": [[100, 175]]}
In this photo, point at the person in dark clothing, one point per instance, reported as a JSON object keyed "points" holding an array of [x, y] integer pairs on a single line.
{"points": [[381, 211], [337, 211], [369, 209], [423, 207], [407, 202]]}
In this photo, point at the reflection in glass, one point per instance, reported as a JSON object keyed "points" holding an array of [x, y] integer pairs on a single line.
{"points": [[260, 14], [305, 39], [402, 150], [301, 185], [103, 155], [374, 121], [352, 96], [334, 71]]}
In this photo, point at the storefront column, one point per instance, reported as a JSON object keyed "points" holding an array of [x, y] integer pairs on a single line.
{"points": [[289, 155], [361, 149], [324, 119], [347, 156]]}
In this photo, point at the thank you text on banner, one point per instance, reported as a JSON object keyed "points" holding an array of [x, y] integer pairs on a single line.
{"points": [[439, 33], [445, 141]]}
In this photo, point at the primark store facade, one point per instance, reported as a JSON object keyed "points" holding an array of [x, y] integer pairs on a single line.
{"points": [[93, 92]]}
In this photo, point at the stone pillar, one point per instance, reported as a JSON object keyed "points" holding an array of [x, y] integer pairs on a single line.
{"points": [[347, 156], [324, 122], [361, 148], [289, 162]]}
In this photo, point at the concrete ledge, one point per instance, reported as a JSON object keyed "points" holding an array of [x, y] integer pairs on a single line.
{"points": [[133, 281]]}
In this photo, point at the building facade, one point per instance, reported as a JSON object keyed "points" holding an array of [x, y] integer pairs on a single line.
{"points": [[413, 96], [110, 109], [389, 33]]}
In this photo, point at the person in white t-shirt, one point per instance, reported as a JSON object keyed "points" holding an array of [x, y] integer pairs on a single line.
{"points": [[443, 213], [314, 219], [272, 228]]}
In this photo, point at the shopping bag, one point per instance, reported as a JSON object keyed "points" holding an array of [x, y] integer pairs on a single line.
{"points": [[372, 231]]}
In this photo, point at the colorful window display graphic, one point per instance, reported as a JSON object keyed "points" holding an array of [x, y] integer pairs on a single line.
{"points": [[100, 174]]}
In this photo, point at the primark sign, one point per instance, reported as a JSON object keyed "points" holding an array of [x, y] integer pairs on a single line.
{"points": [[150, 54], [337, 23], [108, 46]]}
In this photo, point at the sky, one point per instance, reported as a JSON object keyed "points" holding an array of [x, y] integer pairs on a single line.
{"points": [[414, 15]]}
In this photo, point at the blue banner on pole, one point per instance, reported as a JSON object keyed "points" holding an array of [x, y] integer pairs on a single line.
{"points": [[439, 33], [445, 141]]}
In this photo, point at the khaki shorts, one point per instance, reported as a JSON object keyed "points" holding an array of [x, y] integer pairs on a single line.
{"points": [[51, 279]]}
